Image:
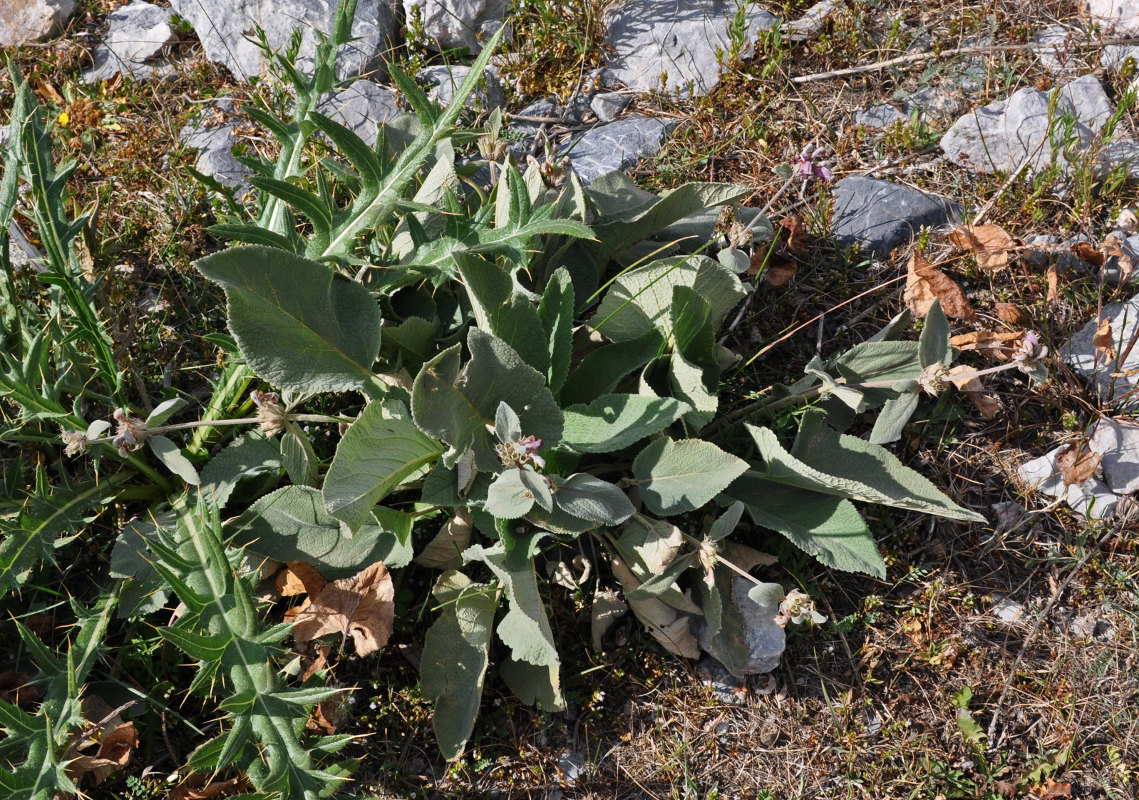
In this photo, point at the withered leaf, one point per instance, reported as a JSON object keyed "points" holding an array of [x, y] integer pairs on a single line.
{"points": [[925, 283], [197, 786], [1051, 790], [991, 244], [1088, 253], [746, 558], [1112, 248], [1077, 463], [1053, 279], [987, 405], [114, 752], [997, 345], [1009, 312], [297, 577], [1104, 341], [362, 606], [776, 260], [667, 625]]}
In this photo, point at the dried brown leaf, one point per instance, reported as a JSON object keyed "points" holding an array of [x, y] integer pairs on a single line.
{"points": [[297, 577], [1010, 313], [746, 558], [991, 244], [1053, 279], [1088, 253], [1113, 248], [667, 625], [776, 260], [1078, 463], [114, 752], [996, 345], [925, 283], [987, 405], [1104, 340], [1051, 790], [796, 234], [200, 787], [362, 606]]}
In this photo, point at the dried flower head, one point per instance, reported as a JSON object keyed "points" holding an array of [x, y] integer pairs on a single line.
{"points": [[271, 415], [75, 443], [934, 378], [707, 555], [798, 607], [130, 433]]}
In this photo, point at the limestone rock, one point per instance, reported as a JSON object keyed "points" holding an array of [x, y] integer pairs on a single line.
{"points": [[213, 134], [1043, 475], [882, 115], [361, 107], [135, 33], [23, 21], [1120, 16], [607, 106], [1027, 128], [1093, 498], [456, 23], [1080, 353], [222, 25], [444, 81], [1118, 442], [676, 40], [616, 146], [881, 215]]}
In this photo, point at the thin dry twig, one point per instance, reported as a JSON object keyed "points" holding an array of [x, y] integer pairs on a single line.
{"points": [[917, 58]]}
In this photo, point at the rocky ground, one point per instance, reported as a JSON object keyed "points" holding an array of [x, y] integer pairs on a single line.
{"points": [[995, 661]]}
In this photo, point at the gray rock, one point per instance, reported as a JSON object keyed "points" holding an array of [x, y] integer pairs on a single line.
{"points": [[1123, 153], [23, 21], [212, 134], [607, 106], [764, 638], [1118, 443], [1059, 48], [1028, 128], [725, 687], [1042, 474], [221, 26], [1113, 57], [1092, 498], [937, 101], [444, 81], [613, 147], [572, 765], [883, 115], [1120, 16], [1080, 353], [361, 107], [881, 215], [135, 34], [674, 40], [456, 23], [1009, 611]]}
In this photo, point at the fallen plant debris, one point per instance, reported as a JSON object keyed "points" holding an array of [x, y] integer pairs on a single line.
{"points": [[991, 245], [361, 607], [926, 284]]}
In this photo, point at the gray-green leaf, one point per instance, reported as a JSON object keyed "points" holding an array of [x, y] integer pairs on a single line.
{"points": [[682, 476], [455, 656], [298, 326], [615, 421], [380, 451]]}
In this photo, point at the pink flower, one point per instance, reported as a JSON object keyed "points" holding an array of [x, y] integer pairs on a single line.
{"points": [[805, 164]]}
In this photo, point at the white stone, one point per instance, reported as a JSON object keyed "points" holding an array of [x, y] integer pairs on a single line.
{"points": [[1093, 498], [361, 107], [213, 134], [1120, 16], [1008, 611], [1118, 443], [1060, 50], [222, 26], [675, 39], [1042, 474], [607, 106], [1080, 352], [446, 80], [135, 33], [1114, 56], [23, 21], [456, 23], [614, 147], [1028, 128]]}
